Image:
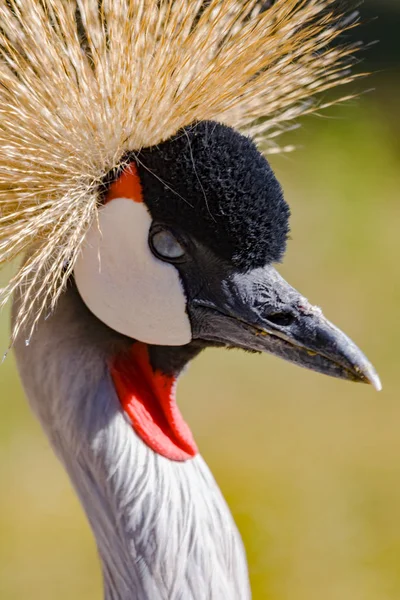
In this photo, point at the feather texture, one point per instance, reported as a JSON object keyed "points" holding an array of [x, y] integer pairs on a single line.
{"points": [[84, 81], [162, 527]]}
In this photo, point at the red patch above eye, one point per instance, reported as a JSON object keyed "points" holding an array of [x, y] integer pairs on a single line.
{"points": [[127, 185]]}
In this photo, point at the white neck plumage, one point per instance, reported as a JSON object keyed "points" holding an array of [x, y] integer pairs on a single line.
{"points": [[162, 528]]}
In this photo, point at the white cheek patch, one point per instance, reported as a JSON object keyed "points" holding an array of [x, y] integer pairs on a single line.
{"points": [[124, 284]]}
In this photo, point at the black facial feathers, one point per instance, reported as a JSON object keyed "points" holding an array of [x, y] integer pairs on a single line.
{"points": [[213, 183]]}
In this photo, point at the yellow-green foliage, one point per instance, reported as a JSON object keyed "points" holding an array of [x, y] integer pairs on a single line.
{"points": [[310, 465]]}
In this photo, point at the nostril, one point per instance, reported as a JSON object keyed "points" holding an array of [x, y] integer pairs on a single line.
{"points": [[282, 319]]}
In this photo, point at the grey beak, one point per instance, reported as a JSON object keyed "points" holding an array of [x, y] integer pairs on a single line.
{"points": [[260, 311]]}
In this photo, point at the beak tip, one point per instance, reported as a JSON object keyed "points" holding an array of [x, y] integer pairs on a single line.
{"points": [[376, 382], [373, 379]]}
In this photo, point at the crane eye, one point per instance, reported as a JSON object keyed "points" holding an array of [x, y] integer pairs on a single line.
{"points": [[165, 245]]}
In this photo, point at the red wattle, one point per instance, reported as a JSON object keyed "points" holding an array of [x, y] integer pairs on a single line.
{"points": [[148, 398]]}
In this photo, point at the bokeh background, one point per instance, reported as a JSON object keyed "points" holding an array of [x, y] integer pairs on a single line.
{"points": [[309, 465]]}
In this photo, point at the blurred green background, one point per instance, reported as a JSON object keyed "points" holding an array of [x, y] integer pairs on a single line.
{"points": [[309, 465]]}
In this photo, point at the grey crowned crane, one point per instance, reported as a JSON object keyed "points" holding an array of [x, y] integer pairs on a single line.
{"points": [[151, 223]]}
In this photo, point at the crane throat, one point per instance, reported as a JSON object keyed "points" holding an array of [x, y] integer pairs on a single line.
{"points": [[147, 396]]}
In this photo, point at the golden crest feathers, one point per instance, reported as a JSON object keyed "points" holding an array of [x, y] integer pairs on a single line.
{"points": [[84, 81]]}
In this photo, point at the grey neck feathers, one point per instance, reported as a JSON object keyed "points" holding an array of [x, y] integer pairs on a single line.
{"points": [[162, 528]]}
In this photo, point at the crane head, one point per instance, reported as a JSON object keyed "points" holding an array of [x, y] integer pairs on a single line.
{"points": [[184, 250]]}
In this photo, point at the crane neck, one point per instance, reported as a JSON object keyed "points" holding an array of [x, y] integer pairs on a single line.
{"points": [[162, 527]]}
